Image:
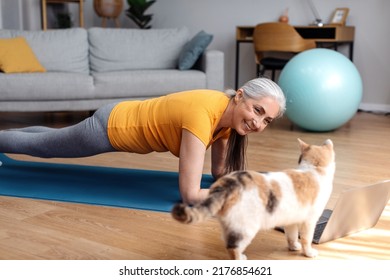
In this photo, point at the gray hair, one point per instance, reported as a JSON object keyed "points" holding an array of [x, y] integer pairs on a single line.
{"points": [[262, 87]]}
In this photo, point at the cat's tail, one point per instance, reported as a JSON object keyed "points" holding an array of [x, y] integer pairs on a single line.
{"points": [[190, 214], [187, 214]]}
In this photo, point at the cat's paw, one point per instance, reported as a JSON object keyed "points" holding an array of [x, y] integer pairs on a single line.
{"points": [[311, 253], [236, 254], [294, 246]]}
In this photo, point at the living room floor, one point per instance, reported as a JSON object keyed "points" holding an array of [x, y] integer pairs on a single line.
{"points": [[35, 229]]}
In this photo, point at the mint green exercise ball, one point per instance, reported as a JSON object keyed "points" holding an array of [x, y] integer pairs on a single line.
{"points": [[323, 89]]}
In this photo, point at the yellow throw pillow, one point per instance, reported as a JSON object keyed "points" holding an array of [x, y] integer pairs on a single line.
{"points": [[16, 56]]}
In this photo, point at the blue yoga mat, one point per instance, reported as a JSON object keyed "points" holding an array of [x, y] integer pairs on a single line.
{"points": [[118, 187]]}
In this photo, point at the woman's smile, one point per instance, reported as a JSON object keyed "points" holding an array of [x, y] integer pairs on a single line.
{"points": [[248, 127]]}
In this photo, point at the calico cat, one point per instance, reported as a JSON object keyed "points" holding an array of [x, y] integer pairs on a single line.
{"points": [[245, 202]]}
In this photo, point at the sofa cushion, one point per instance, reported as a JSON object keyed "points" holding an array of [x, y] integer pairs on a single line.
{"points": [[193, 49], [36, 87], [129, 49], [16, 56], [62, 50], [141, 84]]}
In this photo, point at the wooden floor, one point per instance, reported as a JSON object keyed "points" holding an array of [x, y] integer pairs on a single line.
{"points": [[33, 229]]}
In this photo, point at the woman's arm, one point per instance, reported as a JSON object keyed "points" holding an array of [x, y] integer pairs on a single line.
{"points": [[191, 160]]}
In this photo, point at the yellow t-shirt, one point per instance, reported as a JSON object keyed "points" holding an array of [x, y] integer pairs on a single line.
{"points": [[155, 125]]}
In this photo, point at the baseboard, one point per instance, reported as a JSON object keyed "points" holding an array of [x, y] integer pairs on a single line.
{"points": [[373, 107]]}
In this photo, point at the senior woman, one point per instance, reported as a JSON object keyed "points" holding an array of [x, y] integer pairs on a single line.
{"points": [[184, 123]]}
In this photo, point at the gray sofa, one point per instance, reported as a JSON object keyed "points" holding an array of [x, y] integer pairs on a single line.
{"points": [[86, 68]]}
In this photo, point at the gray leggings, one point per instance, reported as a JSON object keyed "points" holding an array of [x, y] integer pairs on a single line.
{"points": [[86, 138]]}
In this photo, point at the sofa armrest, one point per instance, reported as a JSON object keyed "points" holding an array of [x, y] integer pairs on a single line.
{"points": [[212, 63]]}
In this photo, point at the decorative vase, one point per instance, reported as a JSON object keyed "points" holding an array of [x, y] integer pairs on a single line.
{"points": [[108, 9], [284, 17]]}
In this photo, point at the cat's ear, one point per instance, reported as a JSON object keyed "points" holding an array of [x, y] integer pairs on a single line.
{"points": [[328, 142], [302, 144]]}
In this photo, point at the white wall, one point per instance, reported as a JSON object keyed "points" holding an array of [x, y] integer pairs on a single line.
{"points": [[31, 15], [1, 15], [220, 17], [13, 17]]}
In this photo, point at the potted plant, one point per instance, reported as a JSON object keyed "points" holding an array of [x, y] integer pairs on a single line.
{"points": [[136, 12]]}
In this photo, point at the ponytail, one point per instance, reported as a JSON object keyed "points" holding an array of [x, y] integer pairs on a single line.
{"points": [[236, 150]]}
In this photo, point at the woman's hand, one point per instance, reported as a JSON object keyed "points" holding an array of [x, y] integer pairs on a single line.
{"points": [[191, 161]]}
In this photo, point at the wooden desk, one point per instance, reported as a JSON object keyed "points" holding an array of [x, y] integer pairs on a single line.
{"points": [[44, 12], [328, 35]]}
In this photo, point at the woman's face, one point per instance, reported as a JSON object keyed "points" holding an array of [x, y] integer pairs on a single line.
{"points": [[251, 115]]}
